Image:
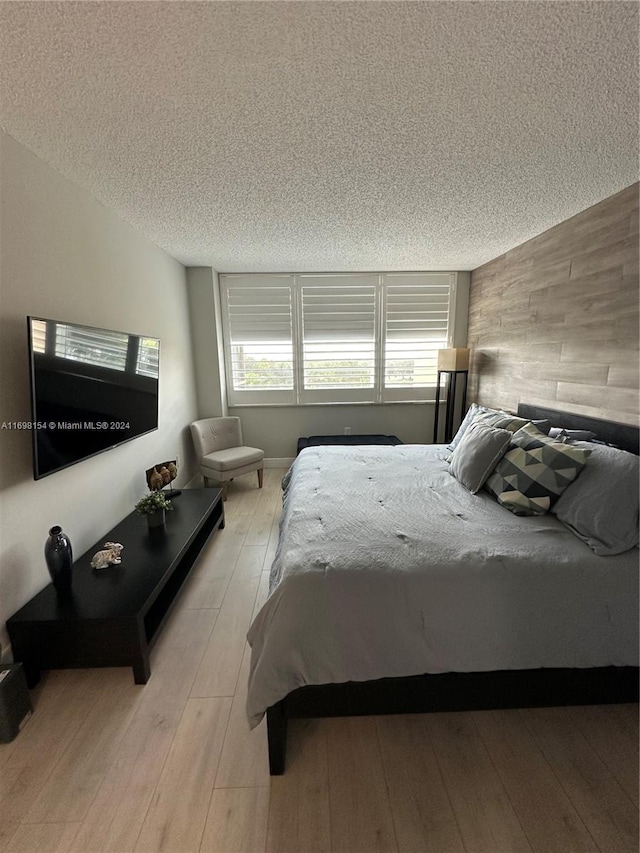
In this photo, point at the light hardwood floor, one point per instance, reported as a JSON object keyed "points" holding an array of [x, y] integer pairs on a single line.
{"points": [[107, 765]]}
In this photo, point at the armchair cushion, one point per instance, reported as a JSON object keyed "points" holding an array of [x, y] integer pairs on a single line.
{"points": [[231, 458]]}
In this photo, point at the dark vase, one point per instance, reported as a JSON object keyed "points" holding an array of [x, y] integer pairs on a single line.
{"points": [[156, 519], [59, 557]]}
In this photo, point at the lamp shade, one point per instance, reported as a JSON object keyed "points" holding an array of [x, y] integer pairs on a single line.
{"points": [[453, 359]]}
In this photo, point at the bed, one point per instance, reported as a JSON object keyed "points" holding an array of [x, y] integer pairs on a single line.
{"points": [[455, 604]]}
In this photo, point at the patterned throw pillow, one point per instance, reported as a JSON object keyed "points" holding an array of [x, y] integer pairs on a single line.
{"points": [[534, 472]]}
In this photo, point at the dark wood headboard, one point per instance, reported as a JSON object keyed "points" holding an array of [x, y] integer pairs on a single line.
{"points": [[624, 436]]}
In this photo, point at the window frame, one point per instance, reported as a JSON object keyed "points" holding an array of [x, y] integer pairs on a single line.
{"points": [[300, 396]]}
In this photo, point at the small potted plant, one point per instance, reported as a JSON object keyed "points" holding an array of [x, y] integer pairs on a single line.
{"points": [[153, 506]]}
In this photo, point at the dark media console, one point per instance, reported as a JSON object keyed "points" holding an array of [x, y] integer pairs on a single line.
{"points": [[113, 616]]}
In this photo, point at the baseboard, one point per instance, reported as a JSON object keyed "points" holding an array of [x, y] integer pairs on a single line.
{"points": [[194, 483], [279, 462]]}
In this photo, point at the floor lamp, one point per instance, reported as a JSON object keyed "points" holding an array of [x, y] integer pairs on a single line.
{"points": [[452, 363]]}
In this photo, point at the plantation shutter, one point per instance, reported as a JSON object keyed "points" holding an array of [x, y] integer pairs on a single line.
{"points": [[258, 325], [305, 338], [416, 326], [338, 322]]}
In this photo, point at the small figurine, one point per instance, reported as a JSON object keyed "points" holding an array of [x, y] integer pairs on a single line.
{"points": [[155, 481], [110, 556], [161, 475]]}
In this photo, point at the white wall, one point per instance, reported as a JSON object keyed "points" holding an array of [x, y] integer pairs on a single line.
{"points": [[277, 429], [64, 256], [206, 330]]}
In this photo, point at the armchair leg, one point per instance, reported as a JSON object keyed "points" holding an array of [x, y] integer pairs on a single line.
{"points": [[224, 490], [260, 472]]}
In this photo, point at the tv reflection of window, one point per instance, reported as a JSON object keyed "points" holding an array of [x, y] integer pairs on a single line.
{"points": [[148, 362], [99, 347], [92, 346]]}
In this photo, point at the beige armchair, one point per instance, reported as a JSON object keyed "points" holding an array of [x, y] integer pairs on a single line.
{"points": [[221, 454]]}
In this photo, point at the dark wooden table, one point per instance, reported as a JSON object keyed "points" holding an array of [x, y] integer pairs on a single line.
{"points": [[112, 616]]}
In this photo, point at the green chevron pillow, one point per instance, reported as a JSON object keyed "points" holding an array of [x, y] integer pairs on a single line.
{"points": [[534, 472]]}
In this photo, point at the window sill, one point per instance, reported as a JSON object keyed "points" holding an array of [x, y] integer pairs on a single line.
{"points": [[315, 405]]}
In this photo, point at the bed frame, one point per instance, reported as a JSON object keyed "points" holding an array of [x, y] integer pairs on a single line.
{"points": [[467, 691]]}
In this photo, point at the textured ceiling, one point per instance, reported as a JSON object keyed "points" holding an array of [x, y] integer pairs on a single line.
{"points": [[329, 136]]}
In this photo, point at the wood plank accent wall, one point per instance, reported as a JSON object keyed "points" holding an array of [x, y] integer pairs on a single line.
{"points": [[554, 321]]}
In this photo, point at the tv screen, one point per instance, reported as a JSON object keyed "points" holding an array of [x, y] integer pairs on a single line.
{"points": [[91, 390]]}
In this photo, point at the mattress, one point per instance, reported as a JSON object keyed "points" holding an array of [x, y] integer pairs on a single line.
{"points": [[387, 566]]}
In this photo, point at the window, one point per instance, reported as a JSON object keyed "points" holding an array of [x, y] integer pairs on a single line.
{"points": [[350, 337], [258, 327], [338, 335], [416, 325]]}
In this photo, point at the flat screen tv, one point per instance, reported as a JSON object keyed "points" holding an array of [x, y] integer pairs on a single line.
{"points": [[91, 390]]}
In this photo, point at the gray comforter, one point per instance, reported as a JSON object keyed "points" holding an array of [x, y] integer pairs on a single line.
{"points": [[387, 566]]}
